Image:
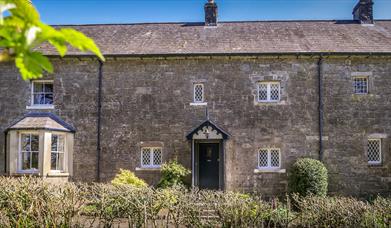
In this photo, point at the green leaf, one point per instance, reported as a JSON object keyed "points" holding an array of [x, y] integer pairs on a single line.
{"points": [[81, 42], [25, 11], [32, 64]]}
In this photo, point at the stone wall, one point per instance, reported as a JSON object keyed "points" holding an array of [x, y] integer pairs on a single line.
{"points": [[148, 101]]}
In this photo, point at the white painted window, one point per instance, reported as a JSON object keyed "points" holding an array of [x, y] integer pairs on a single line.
{"points": [[42, 93], [360, 85], [57, 152], [28, 152], [268, 91], [151, 157], [269, 158], [374, 151], [198, 93]]}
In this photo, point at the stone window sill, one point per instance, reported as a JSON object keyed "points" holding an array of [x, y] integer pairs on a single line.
{"points": [[148, 169], [198, 104], [40, 107], [269, 170], [20, 174], [58, 174]]}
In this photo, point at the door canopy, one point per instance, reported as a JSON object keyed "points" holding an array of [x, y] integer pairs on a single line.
{"points": [[207, 130]]}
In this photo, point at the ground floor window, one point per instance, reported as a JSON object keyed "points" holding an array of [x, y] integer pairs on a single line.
{"points": [[151, 157], [57, 152], [269, 158], [28, 152], [374, 151]]}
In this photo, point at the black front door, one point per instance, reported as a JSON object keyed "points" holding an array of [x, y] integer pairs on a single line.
{"points": [[209, 165]]}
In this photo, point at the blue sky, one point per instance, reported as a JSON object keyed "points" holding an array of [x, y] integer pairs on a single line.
{"points": [[135, 11]]}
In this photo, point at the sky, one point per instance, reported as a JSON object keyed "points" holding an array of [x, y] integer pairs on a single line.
{"points": [[139, 11]]}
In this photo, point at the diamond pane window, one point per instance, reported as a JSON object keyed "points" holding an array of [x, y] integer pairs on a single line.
{"points": [[42, 93], [374, 151], [268, 91], [360, 85], [268, 158], [29, 151], [198, 93], [151, 157], [57, 154]]}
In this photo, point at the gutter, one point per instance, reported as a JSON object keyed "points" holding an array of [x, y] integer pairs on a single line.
{"points": [[99, 117], [320, 106], [230, 54]]}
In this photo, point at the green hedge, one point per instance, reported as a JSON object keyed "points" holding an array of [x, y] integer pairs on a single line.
{"points": [[308, 177], [29, 202]]}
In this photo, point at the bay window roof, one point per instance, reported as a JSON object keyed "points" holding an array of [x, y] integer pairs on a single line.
{"points": [[41, 121]]}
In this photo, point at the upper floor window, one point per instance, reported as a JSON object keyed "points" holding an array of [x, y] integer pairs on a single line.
{"points": [[269, 158], [151, 157], [57, 152], [42, 93], [198, 93], [360, 85], [268, 91], [28, 152], [374, 151]]}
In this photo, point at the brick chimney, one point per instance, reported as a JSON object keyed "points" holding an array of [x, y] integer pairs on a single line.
{"points": [[363, 12], [210, 13]]}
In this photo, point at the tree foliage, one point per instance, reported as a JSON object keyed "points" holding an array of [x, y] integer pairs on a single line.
{"points": [[21, 32]]}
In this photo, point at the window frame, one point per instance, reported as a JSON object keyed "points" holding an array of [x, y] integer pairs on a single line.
{"points": [[194, 92], [268, 91], [380, 152], [354, 84], [151, 165], [64, 153], [269, 150], [32, 104], [19, 158]]}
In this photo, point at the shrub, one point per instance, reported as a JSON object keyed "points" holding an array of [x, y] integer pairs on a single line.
{"points": [[126, 177], [308, 176], [318, 211], [173, 174]]}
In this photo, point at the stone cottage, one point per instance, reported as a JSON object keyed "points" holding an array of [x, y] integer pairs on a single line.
{"points": [[235, 102]]}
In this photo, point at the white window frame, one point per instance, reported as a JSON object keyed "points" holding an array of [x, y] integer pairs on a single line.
{"points": [[380, 151], [268, 92], [19, 169], [151, 165], [194, 92], [40, 106], [64, 153], [269, 167], [354, 84]]}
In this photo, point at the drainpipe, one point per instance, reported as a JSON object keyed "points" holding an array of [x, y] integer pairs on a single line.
{"points": [[99, 116], [320, 106], [5, 152]]}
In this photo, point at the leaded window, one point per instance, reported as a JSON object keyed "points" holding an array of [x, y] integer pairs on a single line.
{"points": [[269, 91], [199, 93], [374, 151], [42, 93], [29, 152], [57, 152], [151, 157], [269, 158], [360, 85]]}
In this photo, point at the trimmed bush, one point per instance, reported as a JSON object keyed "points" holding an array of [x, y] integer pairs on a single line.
{"points": [[173, 174], [126, 177], [308, 177]]}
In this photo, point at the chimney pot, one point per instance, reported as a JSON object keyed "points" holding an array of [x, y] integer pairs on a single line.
{"points": [[210, 13], [363, 12]]}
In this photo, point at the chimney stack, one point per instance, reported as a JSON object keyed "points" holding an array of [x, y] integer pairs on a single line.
{"points": [[210, 13], [363, 12]]}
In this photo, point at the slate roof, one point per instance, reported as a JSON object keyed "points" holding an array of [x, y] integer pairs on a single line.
{"points": [[41, 121], [237, 38]]}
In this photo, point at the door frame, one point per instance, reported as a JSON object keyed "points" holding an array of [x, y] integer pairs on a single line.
{"points": [[195, 160]]}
